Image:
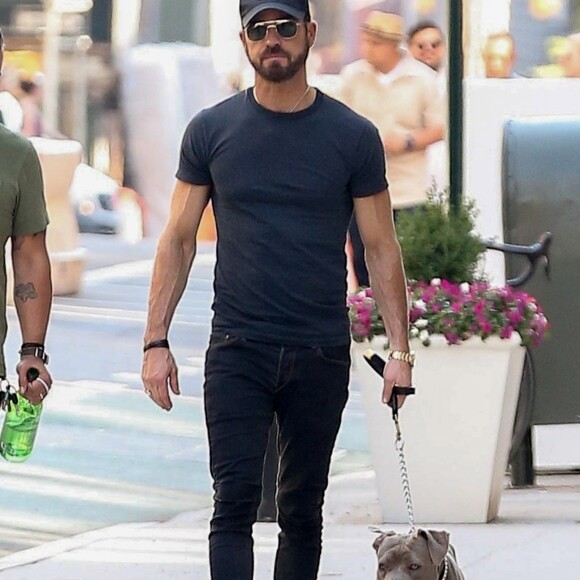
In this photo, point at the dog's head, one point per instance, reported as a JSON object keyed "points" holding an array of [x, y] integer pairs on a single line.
{"points": [[417, 556]]}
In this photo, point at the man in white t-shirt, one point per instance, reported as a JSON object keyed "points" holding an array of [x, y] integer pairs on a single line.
{"points": [[400, 96]]}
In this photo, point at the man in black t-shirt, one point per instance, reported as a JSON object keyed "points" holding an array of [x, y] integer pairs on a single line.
{"points": [[284, 165]]}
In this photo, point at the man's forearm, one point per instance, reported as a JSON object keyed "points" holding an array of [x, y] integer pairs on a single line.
{"points": [[170, 273], [32, 295], [427, 136], [32, 285], [388, 283]]}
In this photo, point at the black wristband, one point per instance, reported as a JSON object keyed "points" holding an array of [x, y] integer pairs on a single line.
{"points": [[34, 349], [161, 343]]}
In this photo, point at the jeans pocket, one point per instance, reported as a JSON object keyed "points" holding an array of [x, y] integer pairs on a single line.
{"points": [[339, 355]]}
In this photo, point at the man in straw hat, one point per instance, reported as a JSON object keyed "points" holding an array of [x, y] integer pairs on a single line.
{"points": [[400, 96]]}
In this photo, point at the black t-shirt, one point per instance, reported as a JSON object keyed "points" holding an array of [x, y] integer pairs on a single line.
{"points": [[282, 188]]}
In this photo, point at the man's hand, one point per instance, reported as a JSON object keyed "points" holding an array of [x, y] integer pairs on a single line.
{"points": [[35, 391], [159, 373], [396, 373]]}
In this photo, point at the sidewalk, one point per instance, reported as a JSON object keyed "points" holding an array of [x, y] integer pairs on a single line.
{"points": [[536, 537]]}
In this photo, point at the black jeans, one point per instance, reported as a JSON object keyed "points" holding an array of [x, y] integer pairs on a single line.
{"points": [[246, 383]]}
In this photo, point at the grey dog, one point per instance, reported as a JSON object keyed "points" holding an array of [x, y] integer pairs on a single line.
{"points": [[422, 555]]}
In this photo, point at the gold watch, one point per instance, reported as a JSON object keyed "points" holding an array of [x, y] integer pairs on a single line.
{"points": [[408, 357]]}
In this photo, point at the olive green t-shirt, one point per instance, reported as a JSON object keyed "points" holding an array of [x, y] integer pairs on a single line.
{"points": [[22, 206]]}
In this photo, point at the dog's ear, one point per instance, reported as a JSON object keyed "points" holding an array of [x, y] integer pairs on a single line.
{"points": [[377, 543], [437, 542]]}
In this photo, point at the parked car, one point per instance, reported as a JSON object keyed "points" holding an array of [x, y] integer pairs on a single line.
{"points": [[94, 198]]}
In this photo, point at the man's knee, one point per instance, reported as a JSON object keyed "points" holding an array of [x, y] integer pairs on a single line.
{"points": [[300, 512], [235, 504]]}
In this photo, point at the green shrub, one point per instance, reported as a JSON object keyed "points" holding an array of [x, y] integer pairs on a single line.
{"points": [[439, 242]]}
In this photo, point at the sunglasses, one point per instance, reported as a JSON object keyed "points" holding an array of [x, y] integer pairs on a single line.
{"points": [[433, 45], [284, 28]]}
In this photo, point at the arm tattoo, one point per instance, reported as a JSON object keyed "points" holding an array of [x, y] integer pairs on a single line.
{"points": [[26, 291]]}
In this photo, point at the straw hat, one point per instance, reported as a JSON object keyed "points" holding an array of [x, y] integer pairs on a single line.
{"points": [[384, 24]]}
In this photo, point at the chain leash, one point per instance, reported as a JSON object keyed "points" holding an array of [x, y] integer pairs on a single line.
{"points": [[400, 447], [378, 365]]}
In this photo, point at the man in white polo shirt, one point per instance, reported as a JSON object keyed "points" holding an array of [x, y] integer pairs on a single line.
{"points": [[400, 96]]}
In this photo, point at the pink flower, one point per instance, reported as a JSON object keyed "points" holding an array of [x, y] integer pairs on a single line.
{"points": [[485, 326], [506, 332], [456, 311], [359, 329], [451, 337], [515, 317]]}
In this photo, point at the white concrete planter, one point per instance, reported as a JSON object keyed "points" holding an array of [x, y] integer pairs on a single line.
{"points": [[457, 429]]}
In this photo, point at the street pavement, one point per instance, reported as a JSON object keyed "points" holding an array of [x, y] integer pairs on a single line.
{"points": [[536, 537], [117, 488]]}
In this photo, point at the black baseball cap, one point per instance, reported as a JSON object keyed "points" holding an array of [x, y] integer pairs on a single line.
{"points": [[298, 9]]}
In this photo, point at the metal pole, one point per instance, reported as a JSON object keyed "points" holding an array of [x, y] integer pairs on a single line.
{"points": [[455, 90], [51, 67], [80, 93]]}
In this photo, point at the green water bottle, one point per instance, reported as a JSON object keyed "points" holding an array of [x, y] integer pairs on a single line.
{"points": [[20, 426]]}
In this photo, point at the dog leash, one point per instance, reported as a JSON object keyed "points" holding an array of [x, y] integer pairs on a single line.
{"points": [[378, 365]]}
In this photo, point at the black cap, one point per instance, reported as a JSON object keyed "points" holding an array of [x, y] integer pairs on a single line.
{"points": [[298, 9]]}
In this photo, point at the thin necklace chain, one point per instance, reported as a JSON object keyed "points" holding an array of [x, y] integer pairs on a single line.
{"points": [[294, 107]]}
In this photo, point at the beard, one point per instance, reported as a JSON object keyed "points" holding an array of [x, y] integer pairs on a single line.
{"points": [[276, 72]]}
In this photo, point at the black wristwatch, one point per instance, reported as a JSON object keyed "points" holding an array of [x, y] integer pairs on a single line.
{"points": [[34, 349]]}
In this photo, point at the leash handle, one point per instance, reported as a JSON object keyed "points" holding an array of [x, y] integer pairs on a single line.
{"points": [[378, 364]]}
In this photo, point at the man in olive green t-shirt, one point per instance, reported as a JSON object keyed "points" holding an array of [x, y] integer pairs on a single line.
{"points": [[23, 219]]}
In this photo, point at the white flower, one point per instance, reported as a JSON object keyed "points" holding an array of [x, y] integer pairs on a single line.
{"points": [[464, 287], [414, 332], [421, 323], [532, 306], [420, 305], [436, 282], [424, 335]]}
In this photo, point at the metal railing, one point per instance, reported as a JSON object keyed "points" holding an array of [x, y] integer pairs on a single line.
{"points": [[521, 457]]}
